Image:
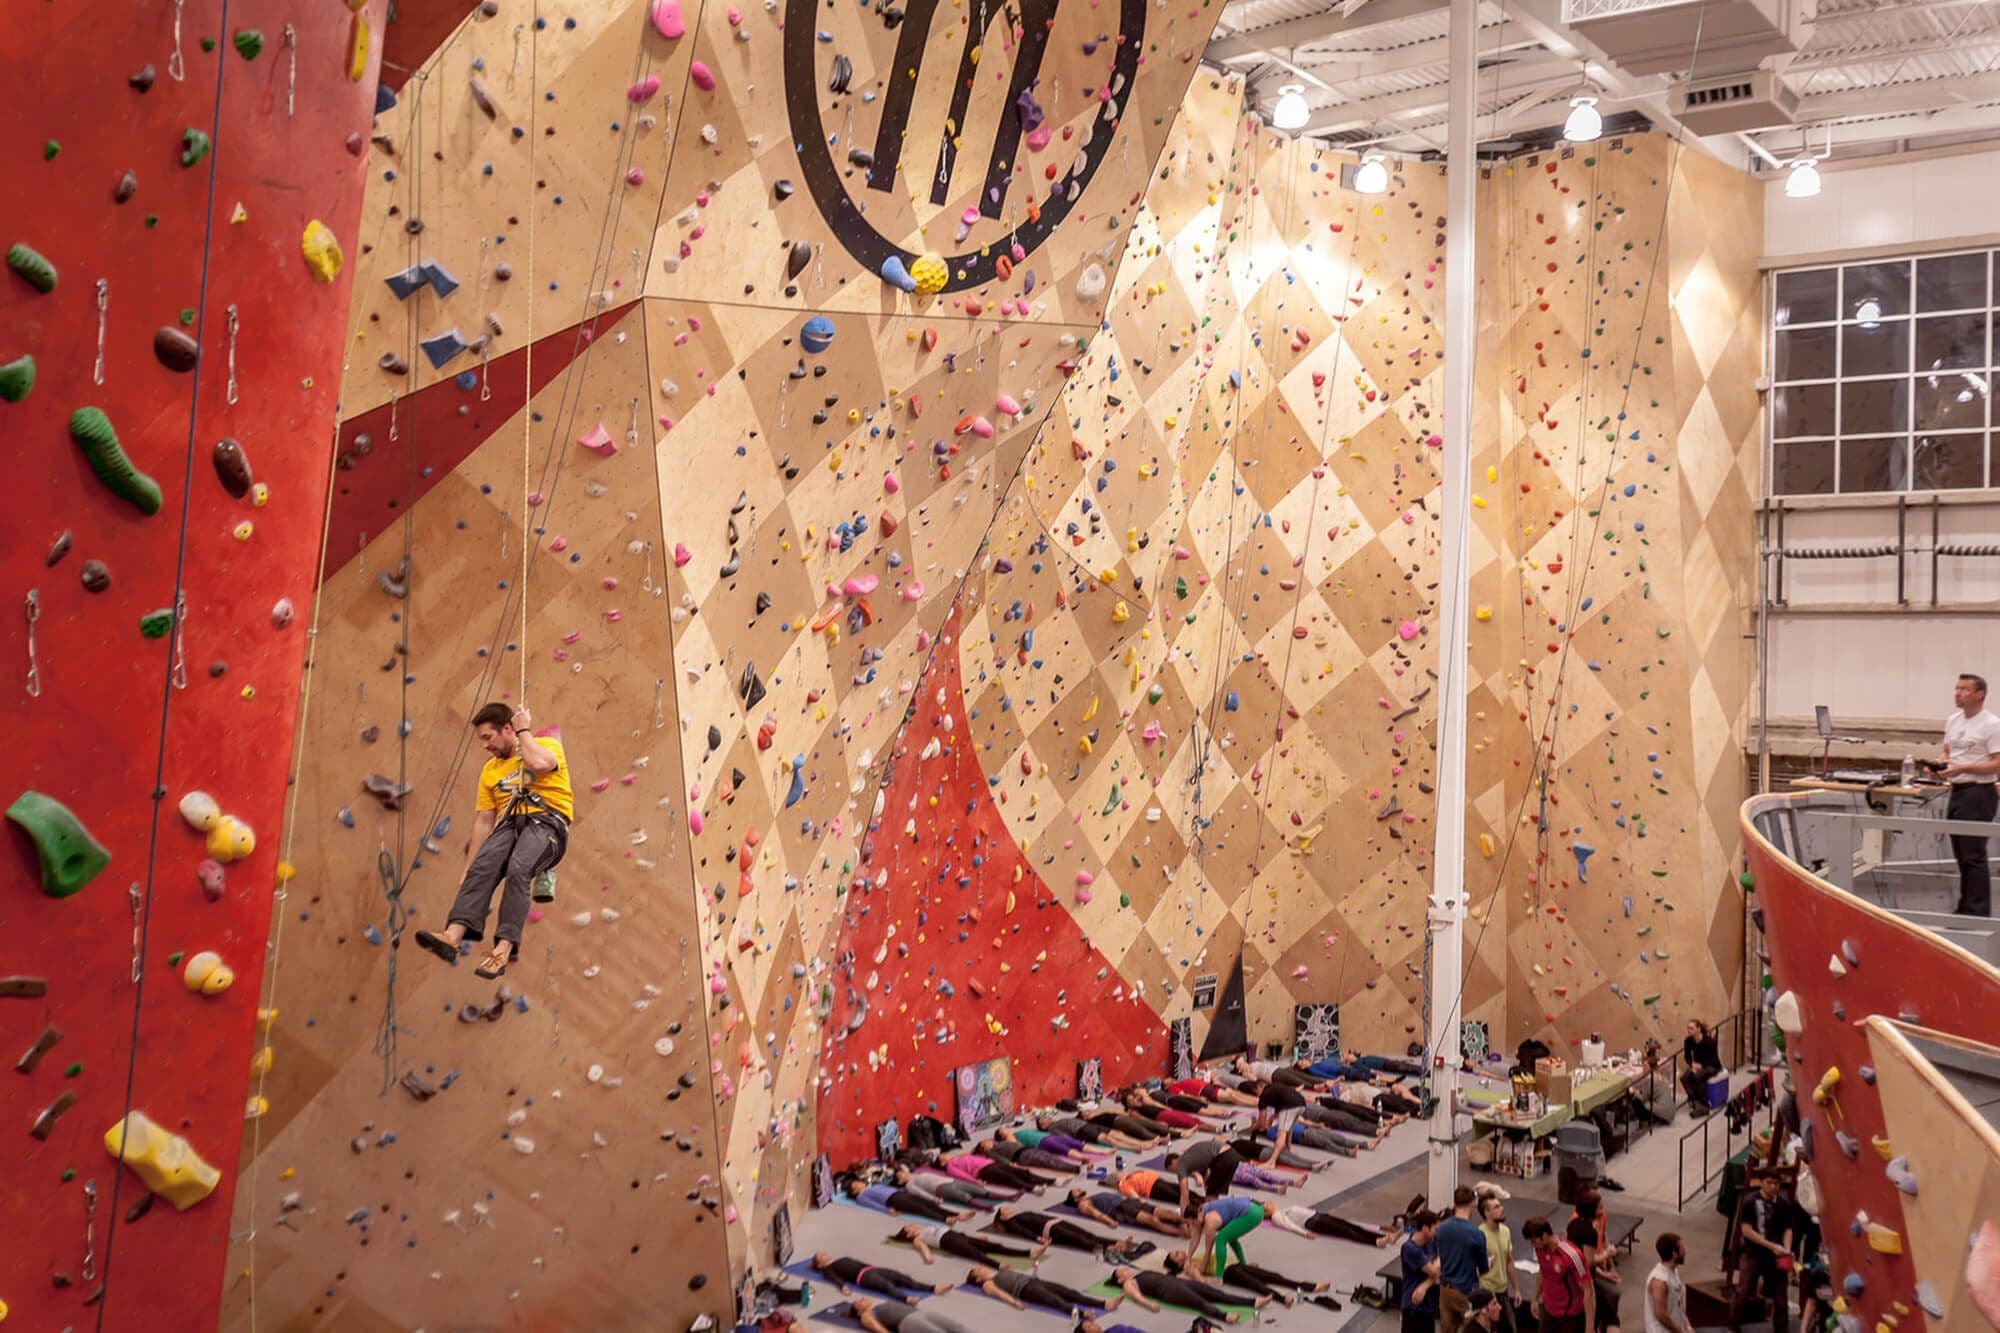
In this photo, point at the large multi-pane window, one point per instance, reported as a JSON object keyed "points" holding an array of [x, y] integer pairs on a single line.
{"points": [[1880, 375]]}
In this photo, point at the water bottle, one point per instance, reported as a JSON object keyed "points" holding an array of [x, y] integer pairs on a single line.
{"points": [[1909, 770]]}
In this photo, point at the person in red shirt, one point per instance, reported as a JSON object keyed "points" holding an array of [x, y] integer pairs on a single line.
{"points": [[1565, 1301]]}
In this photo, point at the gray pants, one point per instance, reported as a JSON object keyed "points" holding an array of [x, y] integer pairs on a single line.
{"points": [[516, 851]]}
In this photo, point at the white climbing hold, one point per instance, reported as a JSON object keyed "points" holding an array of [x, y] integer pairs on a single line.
{"points": [[664, 1046], [1090, 283], [1835, 966], [523, 1145], [1785, 1013], [201, 810], [580, 919], [594, 1074]]}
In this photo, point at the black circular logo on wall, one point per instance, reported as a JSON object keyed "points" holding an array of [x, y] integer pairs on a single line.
{"points": [[822, 173]]}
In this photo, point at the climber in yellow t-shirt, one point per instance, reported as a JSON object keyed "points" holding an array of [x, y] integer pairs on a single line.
{"points": [[520, 829]]}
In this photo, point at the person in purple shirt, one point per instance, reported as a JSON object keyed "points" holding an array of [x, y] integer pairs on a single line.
{"points": [[889, 1199]]}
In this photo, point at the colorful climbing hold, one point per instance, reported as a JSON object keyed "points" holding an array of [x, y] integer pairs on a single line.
{"points": [[92, 431], [70, 857]]}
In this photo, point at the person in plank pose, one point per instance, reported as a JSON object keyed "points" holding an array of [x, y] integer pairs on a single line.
{"points": [[520, 828]]}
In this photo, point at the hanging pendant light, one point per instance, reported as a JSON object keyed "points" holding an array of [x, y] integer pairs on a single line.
{"points": [[1372, 176], [1584, 123], [1291, 111], [1803, 182]]}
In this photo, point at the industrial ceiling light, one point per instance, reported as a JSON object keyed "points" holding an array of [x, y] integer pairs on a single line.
{"points": [[1803, 182], [1584, 123], [1291, 112], [1372, 176]]}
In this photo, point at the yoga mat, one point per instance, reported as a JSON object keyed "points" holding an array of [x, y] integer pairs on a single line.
{"points": [[998, 1261], [1106, 1290]]}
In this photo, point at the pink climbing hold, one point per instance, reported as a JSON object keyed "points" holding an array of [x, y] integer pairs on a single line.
{"points": [[978, 425], [695, 822], [703, 77], [735, 16], [642, 91], [1007, 405], [914, 593], [681, 554], [969, 216], [1407, 630], [891, 483], [1152, 732], [636, 176], [667, 19], [1038, 138], [598, 440], [861, 585]]}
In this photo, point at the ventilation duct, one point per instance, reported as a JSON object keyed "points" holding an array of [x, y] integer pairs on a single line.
{"points": [[1730, 103]]}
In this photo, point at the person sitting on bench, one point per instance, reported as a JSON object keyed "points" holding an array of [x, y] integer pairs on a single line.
{"points": [[889, 1199], [1124, 1210], [980, 1250], [846, 1273], [1152, 1290], [1021, 1289], [1700, 1062], [887, 1316]]}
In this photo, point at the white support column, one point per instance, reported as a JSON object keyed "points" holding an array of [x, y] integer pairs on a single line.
{"points": [[1445, 919]]}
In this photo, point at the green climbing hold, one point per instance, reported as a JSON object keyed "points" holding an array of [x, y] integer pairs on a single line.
{"points": [[30, 264], [92, 431], [71, 858], [194, 146], [208, 44], [16, 378], [157, 624], [1746, 882], [73, 1070], [249, 43], [174, 958], [49, 150]]}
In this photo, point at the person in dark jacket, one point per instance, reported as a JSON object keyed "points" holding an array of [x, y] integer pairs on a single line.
{"points": [[1700, 1062]]}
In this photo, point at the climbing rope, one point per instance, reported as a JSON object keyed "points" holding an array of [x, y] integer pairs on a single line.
{"points": [[528, 536], [167, 687]]}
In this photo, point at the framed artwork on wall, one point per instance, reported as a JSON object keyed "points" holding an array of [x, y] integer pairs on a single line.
{"points": [[888, 1139], [1315, 1031], [1180, 1048], [1089, 1079], [985, 1094]]}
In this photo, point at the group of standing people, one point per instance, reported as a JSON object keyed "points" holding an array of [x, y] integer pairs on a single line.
{"points": [[1458, 1272]]}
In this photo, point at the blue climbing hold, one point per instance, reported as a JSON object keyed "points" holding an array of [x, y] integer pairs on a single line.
{"points": [[817, 334]]}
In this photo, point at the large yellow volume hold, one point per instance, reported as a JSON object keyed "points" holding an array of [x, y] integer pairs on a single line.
{"points": [[165, 1161], [322, 251]]}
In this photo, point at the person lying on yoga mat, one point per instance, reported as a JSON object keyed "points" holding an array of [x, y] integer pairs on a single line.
{"points": [[889, 1199], [1046, 1229], [1031, 1147], [1032, 1159], [1262, 1151], [1021, 1289], [1375, 1097], [1224, 1224], [1311, 1222], [1152, 1290], [1262, 1281], [979, 1249], [1123, 1210], [971, 1166], [1210, 1091], [885, 1316], [1278, 1073], [1141, 1183], [1146, 1131], [848, 1273], [1321, 1139], [1077, 1127], [1198, 1166], [951, 1193], [1348, 1117], [1122, 1104], [1191, 1113]]}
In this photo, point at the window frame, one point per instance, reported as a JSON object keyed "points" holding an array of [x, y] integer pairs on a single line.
{"points": [[1843, 326]]}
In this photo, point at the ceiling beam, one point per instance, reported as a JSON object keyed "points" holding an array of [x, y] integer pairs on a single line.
{"points": [[1900, 98], [1347, 65], [1914, 125], [1531, 74], [1875, 13], [1318, 27], [1847, 59]]}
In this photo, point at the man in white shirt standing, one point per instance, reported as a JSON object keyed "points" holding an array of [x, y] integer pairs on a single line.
{"points": [[1971, 763], [1666, 1293]]}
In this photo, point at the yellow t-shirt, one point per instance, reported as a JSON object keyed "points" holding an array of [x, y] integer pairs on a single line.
{"points": [[500, 783], [1499, 1258]]}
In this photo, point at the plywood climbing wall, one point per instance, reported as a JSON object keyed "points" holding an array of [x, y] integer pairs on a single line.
{"points": [[819, 447], [166, 167]]}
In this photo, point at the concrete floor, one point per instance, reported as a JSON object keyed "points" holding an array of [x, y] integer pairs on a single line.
{"points": [[1369, 1188]]}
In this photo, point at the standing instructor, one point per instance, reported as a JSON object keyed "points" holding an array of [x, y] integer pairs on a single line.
{"points": [[1971, 763]]}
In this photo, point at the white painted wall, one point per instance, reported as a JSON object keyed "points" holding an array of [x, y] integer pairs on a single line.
{"points": [[1884, 664], [1921, 204]]}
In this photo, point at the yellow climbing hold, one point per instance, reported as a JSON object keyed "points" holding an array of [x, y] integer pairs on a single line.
{"points": [[930, 273], [1120, 613], [322, 251], [357, 47], [1486, 845], [207, 973], [167, 1162], [1884, 1240], [231, 840]]}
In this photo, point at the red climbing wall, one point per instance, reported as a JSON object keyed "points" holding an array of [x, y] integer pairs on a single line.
{"points": [[1844, 961], [956, 944], [213, 245]]}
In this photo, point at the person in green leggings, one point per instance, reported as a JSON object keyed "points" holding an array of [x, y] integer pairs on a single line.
{"points": [[1228, 1220]]}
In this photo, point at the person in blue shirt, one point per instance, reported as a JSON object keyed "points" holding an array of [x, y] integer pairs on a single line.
{"points": [[1461, 1253], [1420, 1273], [890, 1199]]}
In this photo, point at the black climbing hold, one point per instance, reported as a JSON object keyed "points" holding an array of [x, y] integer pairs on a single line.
{"points": [[216, 668], [763, 602], [714, 739], [796, 261], [394, 364], [175, 349], [783, 189], [143, 80], [58, 550], [861, 157], [232, 467], [843, 70], [750, 687], [128, 185]]}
